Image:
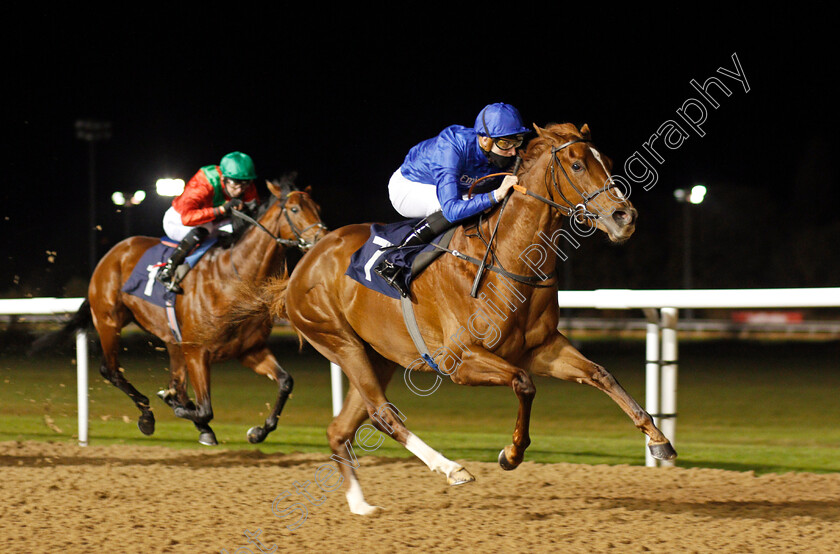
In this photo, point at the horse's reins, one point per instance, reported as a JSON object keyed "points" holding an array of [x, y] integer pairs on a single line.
{"points": [[300, 243], [579, 211]]}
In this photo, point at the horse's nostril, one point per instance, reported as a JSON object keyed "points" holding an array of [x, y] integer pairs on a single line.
{"points": [[621, 217], [624, 217]]}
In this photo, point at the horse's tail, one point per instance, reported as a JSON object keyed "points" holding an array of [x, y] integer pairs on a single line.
{"points": [[82, 319], [251, 303], [274, 291]]}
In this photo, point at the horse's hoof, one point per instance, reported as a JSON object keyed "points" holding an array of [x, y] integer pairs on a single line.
{"points": [[366, 510], [662, 451], [208, 439], [505, 463], [459, 477], [256, 435], [146, 423]]}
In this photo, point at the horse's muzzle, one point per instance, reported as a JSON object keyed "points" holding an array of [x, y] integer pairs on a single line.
{"points": [[625, 217]]}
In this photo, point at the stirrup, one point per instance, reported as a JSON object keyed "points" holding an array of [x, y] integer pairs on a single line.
{"points": [[390, 273], [166, 277]]}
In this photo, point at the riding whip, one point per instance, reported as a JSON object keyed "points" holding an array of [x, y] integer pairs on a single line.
{"points": [[483, 265]]}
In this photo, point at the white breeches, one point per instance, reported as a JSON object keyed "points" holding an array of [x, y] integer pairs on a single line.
{"points": [[412, 199], [176, 230]]}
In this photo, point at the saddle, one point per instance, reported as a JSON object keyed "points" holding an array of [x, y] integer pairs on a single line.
{"points": [[413, 259]]}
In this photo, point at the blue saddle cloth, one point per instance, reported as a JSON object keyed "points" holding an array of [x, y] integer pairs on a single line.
{"points": [[371, 254], [142, 284]]}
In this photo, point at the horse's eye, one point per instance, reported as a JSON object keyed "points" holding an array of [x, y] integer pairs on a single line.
{"points": [[295, 210], [576, 166]]}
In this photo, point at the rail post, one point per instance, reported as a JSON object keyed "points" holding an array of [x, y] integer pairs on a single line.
{"points": [[82, 385], [668, 383]]}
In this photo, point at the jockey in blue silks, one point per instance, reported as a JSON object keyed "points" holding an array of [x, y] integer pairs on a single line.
{"points": [[437, 173]]}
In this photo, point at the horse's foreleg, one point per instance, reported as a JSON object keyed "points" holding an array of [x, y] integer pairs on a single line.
{"points": [[198, 368], [480, 367], [561, 360], [263, 362]]}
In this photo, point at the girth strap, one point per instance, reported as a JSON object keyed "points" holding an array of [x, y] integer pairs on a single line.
{"points": [[416, 336]]}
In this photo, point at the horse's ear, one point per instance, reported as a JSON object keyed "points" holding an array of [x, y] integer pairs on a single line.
{"points": [[584, 131], [308, 189], [537, 129], [274, 189]]}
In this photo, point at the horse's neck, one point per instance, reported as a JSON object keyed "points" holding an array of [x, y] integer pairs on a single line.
{"points": [[525, 221], [256, 254]]}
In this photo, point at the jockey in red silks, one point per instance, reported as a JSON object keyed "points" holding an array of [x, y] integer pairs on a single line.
{"points": [[436, 176], [203, 207]]}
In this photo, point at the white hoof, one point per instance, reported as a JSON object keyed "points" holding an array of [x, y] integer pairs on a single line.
{"points": [[459, 477], [366, 509]]}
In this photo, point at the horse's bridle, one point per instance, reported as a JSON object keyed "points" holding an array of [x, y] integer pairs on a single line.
{"points": [[579, 210], [300, 243]]}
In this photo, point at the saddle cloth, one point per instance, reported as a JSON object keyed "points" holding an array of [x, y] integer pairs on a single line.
{"points": [[142, 284], [413, 259]]}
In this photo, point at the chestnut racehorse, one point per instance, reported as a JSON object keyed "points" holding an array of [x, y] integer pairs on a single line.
{"points": [[502, 336], [291, 219]]}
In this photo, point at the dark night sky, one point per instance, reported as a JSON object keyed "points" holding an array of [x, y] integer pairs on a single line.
{"points": [[341, 102]]}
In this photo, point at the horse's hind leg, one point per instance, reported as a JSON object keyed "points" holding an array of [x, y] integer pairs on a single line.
{"points": [[177, 398], [176, 394], [385, 417], [340, 434], [560, 359], [263, 362], [200, 413], [110, 369]]}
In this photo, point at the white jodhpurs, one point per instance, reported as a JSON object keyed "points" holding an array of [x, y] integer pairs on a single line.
{"points": [[176, 230], [412, 199]]}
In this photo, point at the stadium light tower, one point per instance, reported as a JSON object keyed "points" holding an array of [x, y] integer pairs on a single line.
{"points": [[126, 202], [92, 131], [688, 197], [169, 187]]}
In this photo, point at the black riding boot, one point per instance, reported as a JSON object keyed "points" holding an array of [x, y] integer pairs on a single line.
{"points": [[423, 232], [167, 275]]}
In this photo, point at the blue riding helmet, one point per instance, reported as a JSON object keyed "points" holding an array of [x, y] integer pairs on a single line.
{"points": [[499, 120]]}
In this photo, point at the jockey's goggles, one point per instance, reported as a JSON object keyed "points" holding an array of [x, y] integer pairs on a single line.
{"points": [[506, 143], [239, 182]]}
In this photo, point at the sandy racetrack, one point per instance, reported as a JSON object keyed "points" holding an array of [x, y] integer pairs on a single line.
{"points": [[57, 497]]}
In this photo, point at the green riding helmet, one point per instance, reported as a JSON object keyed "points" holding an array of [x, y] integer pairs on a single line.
{"points": [[239, 166]]}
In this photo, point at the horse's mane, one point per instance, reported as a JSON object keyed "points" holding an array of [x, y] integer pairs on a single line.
{"points": [[551, 135]]}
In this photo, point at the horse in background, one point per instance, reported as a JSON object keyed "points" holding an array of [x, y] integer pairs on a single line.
{"points": [[290, 220]]}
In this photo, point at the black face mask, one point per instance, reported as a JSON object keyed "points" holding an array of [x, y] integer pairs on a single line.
{"points": [[502, 162]]}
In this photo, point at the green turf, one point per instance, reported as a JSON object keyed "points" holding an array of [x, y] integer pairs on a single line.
{"points": [[765, 407]]}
